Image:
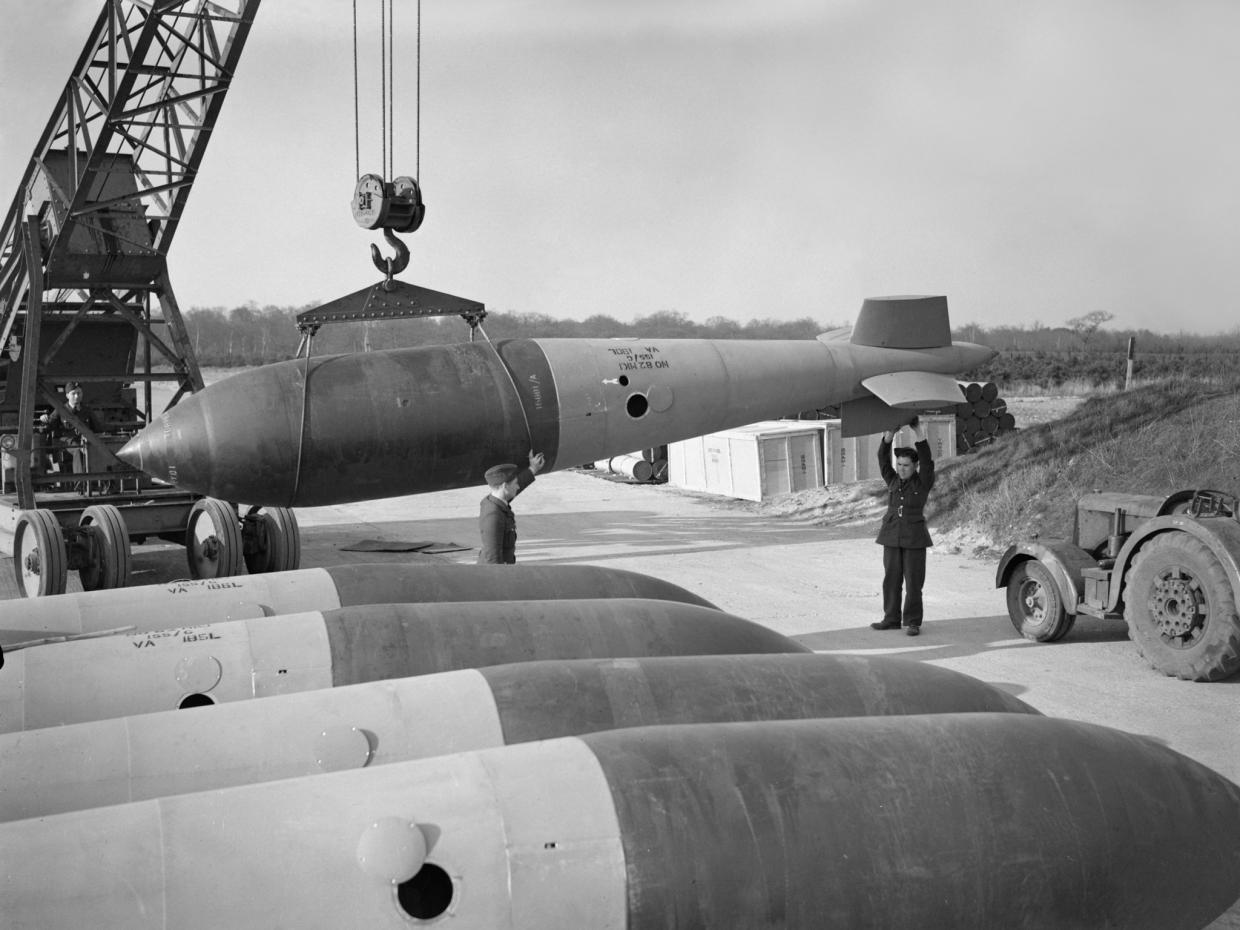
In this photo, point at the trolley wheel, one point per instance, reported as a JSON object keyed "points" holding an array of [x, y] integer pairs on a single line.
{"points": [[1034, 604], [213, 539], [109, 555], [1181, 610], [272, 540], [40, 563]]}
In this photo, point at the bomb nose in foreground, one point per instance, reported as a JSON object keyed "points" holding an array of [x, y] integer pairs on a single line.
{"points": [[147, 451], [173, 448], [232, 440]]}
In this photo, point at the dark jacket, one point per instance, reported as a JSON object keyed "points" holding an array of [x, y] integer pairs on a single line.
{"points": [[904, 524], [60, 427], [498, 526]]}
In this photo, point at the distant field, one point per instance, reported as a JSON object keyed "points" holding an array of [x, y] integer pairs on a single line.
{"points": [[1031, 411], [162, 391]]}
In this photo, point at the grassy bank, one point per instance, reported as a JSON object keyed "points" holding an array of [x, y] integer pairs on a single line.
{"points": [[1154, 439]]}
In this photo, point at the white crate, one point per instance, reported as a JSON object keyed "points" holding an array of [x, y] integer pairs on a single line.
{"points": [[856, 458], [940, 434], [754, 462]]}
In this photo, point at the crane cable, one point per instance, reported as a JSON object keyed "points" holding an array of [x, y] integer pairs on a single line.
{"points": [[357, 125], [417, 111], [385, 128], [387, 104], [388, 147], [387, 93]]}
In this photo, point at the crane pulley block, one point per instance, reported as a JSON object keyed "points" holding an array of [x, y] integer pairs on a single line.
{"points": [[395, 205]]}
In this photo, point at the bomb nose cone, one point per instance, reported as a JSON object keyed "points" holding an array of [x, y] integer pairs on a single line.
{"points": [[235, 440], [174, 447], [148, 451]]}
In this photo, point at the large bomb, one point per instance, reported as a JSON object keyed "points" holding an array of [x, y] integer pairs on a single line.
{"points": [[937, 821], [190, 603], [55, 769], [403, 421], [135, 673]]}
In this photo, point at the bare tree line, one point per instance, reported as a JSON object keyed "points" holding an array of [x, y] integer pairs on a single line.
{"points": [[1079, 349], [252, 336]]}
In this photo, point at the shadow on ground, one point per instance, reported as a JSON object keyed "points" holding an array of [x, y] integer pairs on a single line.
{"points": [[597, 535], [956, 638], [163, 563], [564, 536]]}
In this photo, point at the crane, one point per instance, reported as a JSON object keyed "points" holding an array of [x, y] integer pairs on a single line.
{"points": [[86, 300]]}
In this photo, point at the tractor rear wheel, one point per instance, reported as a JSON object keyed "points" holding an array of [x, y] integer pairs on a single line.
{"points": [[1181, 610], [1035, 604]]}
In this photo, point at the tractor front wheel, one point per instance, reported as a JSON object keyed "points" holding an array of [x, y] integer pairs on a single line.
{"points": [[1035, 604]]}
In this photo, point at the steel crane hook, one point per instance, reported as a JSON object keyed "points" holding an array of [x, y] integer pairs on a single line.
{"points": [[390, 266]]}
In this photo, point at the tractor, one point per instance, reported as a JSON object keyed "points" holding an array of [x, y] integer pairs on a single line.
{"points": [[1167, 565]]}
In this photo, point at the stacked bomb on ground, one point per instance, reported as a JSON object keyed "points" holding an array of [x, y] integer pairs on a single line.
{"points": [[744, 804]]}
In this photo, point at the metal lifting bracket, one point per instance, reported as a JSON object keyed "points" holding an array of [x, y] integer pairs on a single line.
{"points": [[394, 300]]}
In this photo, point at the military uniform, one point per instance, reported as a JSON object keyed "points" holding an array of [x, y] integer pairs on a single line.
{"points": [[904, 537], [63, 442], [498, 526]]}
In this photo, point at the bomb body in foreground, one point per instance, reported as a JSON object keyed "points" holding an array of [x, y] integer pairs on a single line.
{"points": [[404, 421], [192, 603], [947, 821], [136, 673], [56, 769]]}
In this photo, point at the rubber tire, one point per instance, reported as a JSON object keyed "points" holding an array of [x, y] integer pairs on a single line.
{"points": [[282, 535], [1064, 629], [223, 558], [1215, 654], [107, 526], [49, 544], [1033, 579]]}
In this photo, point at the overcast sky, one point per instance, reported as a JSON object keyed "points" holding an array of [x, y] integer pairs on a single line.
{"points": [[1034, 161]]}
